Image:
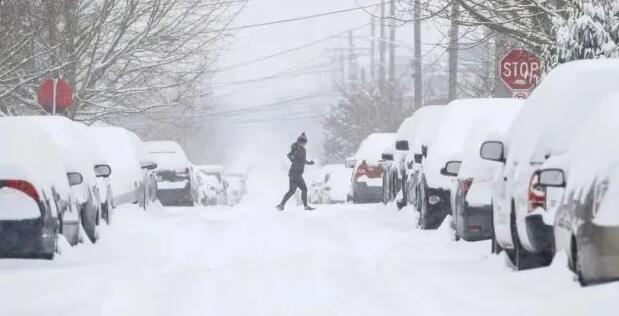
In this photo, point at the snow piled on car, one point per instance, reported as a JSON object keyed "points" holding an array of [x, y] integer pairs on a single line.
{"points": [[168, 155], [459, 117], [556, 109], [473, 166], [593, 158], [373, 147], [29, 155]]}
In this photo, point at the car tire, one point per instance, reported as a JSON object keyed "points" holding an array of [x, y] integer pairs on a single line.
{"points": [[89, 225], [520, 257], [577, 264]]}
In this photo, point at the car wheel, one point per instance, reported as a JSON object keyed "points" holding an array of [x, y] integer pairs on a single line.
{"points": [[89, 224], [577, 264], [520, 257]]}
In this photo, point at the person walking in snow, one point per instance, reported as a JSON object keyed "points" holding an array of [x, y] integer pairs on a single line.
{"points": [[297, 156]]}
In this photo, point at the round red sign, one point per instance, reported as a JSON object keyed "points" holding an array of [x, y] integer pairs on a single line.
{"points": [[63, 93], [520, 69]]}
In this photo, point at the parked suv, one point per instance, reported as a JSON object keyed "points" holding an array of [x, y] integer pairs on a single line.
{"points": [[395, 172], [176, 181], [429, 120], [127, 179], [65, 134], [543, 129], [471, 192], [586, 225], [367, 169], [434, 200], [34, 192]]}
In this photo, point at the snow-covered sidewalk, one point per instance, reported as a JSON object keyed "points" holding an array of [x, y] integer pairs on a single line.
{"points": [[253, 260]]}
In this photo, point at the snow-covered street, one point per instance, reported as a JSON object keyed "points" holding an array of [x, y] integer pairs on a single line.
{"points": [[252, 260]]}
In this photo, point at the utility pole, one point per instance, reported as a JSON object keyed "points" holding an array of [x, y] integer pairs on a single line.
{"points": [[501, 47], [453, 52], [352, 67], [392, 41], [383, 48], [417, 64], [372, 48]]}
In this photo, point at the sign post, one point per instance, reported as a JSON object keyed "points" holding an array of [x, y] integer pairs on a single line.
{"points": [[520, 71]]}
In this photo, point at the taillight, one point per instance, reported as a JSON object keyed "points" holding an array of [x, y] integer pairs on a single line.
{"points": [[23, 186], [537, 194], [362, 170], [466, 185]]}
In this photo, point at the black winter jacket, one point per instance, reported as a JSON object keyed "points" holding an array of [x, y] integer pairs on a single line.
{"points": [[297, 156]]}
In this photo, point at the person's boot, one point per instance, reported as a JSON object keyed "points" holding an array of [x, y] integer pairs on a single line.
{"points": [[279, 207], [309, 208]]}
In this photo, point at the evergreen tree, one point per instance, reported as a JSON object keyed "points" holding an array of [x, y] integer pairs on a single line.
{"points": [[591, 30]]}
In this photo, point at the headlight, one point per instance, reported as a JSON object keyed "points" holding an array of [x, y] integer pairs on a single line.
{"points": [[434, 199]]}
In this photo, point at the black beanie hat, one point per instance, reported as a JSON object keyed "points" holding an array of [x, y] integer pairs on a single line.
{"points": [[302, 138]]}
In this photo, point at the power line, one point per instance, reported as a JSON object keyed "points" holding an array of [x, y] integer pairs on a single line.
{"points": [[284, 52], [313, 16]]}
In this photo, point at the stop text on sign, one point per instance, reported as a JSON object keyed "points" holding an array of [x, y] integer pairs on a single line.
{"points": [[520, 69]]}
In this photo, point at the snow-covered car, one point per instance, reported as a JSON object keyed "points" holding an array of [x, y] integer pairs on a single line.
{"points": [[586, 225], [395, 172], [127, 178], [544, 128], [220, 185], [390, 178], [176, 181], [68, 136], [34, 192], [367, 169], [238, 186], [471, 192], [434, 186], [427, 123], [335, 179]]}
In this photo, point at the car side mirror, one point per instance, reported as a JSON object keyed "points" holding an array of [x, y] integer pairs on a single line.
{"points": [[493, 151], [401, 145], [452, 168], [424, 151], [350, 163], [552, 177], [387, 157], [418, 158], [75, 178], [148, 165], [103, 171]]}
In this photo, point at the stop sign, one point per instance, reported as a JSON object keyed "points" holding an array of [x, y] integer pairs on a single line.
{"points": [[520, 69], [62, 91]]}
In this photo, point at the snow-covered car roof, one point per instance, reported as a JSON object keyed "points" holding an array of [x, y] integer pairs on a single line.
{"points": [[122, 156], [557, 108], [459, 117], [427, 124], [168, 155], [405, 129], [74, 148], [594, 150], [371, 149], [31, 156], [484, 128], [211, 169]]}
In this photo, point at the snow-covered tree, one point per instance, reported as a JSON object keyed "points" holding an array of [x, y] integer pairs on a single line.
{"points": [[363, 110], [121, 57], [591, 30]]}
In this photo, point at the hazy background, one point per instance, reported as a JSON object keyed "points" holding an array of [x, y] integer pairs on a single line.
{"points": [[268, 123]]}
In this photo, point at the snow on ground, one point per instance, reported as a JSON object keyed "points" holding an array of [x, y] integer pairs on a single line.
{"points": [[253, 260]]}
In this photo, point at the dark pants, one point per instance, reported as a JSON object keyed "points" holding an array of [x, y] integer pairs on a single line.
{"points": [[296, 181]]}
